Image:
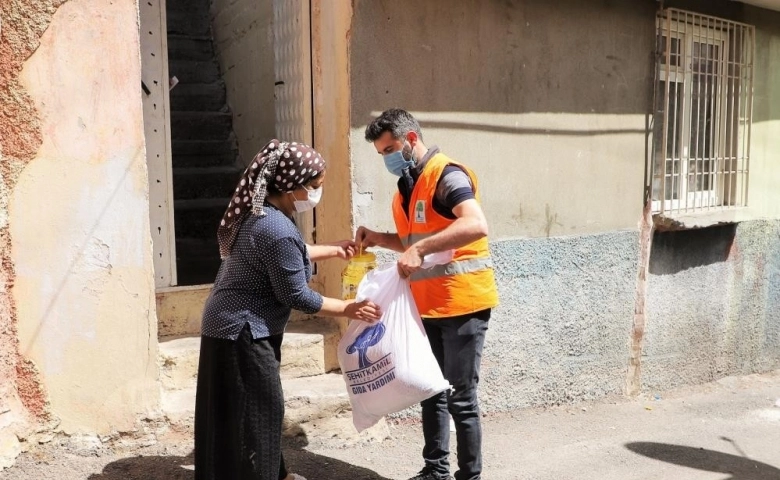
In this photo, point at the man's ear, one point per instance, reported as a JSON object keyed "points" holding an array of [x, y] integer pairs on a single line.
{"points": [[412, 138]]}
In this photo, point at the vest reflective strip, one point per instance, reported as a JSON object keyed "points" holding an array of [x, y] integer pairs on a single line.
{"points": [[415, 237], [453, 268]]}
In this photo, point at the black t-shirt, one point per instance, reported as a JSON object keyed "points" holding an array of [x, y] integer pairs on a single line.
{"points": [[453, 187]]}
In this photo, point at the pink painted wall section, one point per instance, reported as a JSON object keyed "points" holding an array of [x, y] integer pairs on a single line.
{"points": [[79, 223]]}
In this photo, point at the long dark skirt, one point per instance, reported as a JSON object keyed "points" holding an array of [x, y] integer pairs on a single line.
{"points": [[239, 408]]}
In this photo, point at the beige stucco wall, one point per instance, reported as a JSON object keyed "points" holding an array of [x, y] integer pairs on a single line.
{"points": [[243, 39], [764, 190], [79, 221], [546, 101]]}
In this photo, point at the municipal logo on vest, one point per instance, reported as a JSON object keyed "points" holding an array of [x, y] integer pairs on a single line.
{"points": [[419, 211]]}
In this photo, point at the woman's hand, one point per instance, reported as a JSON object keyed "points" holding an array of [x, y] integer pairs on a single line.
{"points": [[366, 311], [345, 249]]}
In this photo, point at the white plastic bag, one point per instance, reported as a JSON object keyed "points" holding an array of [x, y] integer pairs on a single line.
{"points": [[389, 366]]}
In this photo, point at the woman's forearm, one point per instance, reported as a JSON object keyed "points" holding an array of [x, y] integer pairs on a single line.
{"points": [[322, 252], [333, 307]]}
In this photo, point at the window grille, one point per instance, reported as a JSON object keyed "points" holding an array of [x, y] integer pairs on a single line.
{"points": [[703, 109]]}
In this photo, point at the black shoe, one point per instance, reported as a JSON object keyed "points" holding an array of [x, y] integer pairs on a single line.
{"points": [[428, 473]]}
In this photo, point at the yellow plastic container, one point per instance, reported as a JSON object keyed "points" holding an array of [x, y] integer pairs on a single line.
{"points": [[354, 272]]}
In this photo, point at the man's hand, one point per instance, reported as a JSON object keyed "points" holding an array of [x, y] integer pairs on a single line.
{"points": [[366, 311], [366, 238], [410, 261]]}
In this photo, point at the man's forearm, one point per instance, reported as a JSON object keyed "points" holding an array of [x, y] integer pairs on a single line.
{"points": [[391, 241], [460, 233]]}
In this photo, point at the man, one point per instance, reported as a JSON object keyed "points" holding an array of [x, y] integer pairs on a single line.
{"points": [[437, 209]]}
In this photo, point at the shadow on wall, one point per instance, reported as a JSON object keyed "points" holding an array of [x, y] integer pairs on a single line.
{"points": [[301, 461], [673, 252], [511, 56], [739, 468], [522, 56]]}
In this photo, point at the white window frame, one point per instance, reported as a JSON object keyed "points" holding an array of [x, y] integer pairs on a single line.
{"points": [[674, 178]]}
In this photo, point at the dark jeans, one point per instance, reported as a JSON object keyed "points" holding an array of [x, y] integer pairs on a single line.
{"points": [[457, 345]]}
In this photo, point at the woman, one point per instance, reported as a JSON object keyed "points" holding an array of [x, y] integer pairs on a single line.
{"points": [[265, 271]]}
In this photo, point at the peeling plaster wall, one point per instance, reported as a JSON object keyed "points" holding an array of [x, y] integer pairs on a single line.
{"points": [[79, 222], [23, 400]]}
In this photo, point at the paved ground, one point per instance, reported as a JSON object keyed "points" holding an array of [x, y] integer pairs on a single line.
{"points": [[726, 430]]}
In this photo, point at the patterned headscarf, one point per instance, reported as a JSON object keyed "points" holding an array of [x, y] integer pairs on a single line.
{"points": [[285, 166]]}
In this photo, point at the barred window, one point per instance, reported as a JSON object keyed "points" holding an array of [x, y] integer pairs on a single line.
{"points": [[703, 109]]}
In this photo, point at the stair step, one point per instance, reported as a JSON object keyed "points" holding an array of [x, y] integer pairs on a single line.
{"points": [[206, 246], [213, 160], [197, 259], [179, 310], [187, 47], [201, 125], [311, 398], [187, 18], [316, 407], [197, 270], [198, 218], [178, 358], [303, 356], [330, 332], [205, 182], [181, 23], [190, 72], [203, 97], [203, 147]]}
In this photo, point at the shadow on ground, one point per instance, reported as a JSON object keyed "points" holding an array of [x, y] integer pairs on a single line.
{"points": [[303, 462], [740, 468]]}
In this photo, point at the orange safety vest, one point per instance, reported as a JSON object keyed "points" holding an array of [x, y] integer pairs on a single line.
{"points": [[466, 284]]}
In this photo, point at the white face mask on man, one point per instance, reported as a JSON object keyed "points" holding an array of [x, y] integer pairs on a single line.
{"points": [[305, 205]]}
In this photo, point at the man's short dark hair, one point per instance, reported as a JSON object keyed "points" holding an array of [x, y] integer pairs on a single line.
{"points": [[396, 121]]}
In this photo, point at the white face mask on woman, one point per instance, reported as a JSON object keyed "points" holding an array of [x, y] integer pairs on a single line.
{"points": [[305, 205]]}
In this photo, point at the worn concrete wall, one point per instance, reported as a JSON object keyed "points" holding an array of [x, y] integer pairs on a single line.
{"points": [[545, 100], [79, 223], [561, 332], [713, 304], [243, 39]]}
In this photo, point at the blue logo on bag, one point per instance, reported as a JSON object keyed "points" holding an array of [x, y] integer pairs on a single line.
{"points": [[368, 338], [369, 376]]}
